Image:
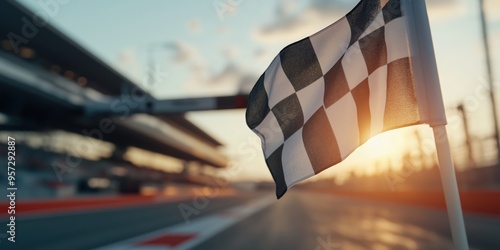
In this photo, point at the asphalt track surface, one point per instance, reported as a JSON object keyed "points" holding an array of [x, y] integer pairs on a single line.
{"points": [[300, 220]]}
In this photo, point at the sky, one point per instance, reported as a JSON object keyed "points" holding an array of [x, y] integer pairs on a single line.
{"points": [[211, 48]]}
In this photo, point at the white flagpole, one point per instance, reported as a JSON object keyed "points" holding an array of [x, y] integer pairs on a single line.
{"points": [[450, 188], [429, 94]]}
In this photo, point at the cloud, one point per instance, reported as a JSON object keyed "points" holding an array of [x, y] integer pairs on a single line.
{"points": [[183, 52], [494, 39], [263, 55], [291, 24], [434, 3], [194, 26], [127, 56], [222, 30], [230, 52], [204, 80], [492, 8], [129, 65], [443, 10], [327, 7], [232, 79]]}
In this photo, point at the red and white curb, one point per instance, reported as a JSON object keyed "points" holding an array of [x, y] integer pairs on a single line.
{"points": [[188, 235]]}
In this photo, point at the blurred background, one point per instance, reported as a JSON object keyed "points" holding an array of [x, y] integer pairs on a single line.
{"points": [[129, 128]]}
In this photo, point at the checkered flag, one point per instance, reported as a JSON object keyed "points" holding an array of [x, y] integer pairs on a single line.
{"points": [[325, 95]]}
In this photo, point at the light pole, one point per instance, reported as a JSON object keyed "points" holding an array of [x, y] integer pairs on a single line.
{"points": [[151, 60], [468, 140], [490, 80]]}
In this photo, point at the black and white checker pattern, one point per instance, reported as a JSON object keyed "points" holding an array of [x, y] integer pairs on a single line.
{"points": [[325, 95]]}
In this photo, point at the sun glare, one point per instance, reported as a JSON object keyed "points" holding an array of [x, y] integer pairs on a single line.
{"points": [[375, 154]]}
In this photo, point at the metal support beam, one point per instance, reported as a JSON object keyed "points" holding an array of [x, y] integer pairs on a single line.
{"points": [[169, 106]]}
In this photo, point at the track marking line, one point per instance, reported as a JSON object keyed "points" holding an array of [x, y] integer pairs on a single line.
{"points": [[188, 235]]}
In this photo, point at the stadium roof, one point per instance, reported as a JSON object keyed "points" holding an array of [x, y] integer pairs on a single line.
{"points": [[54, 101]]}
